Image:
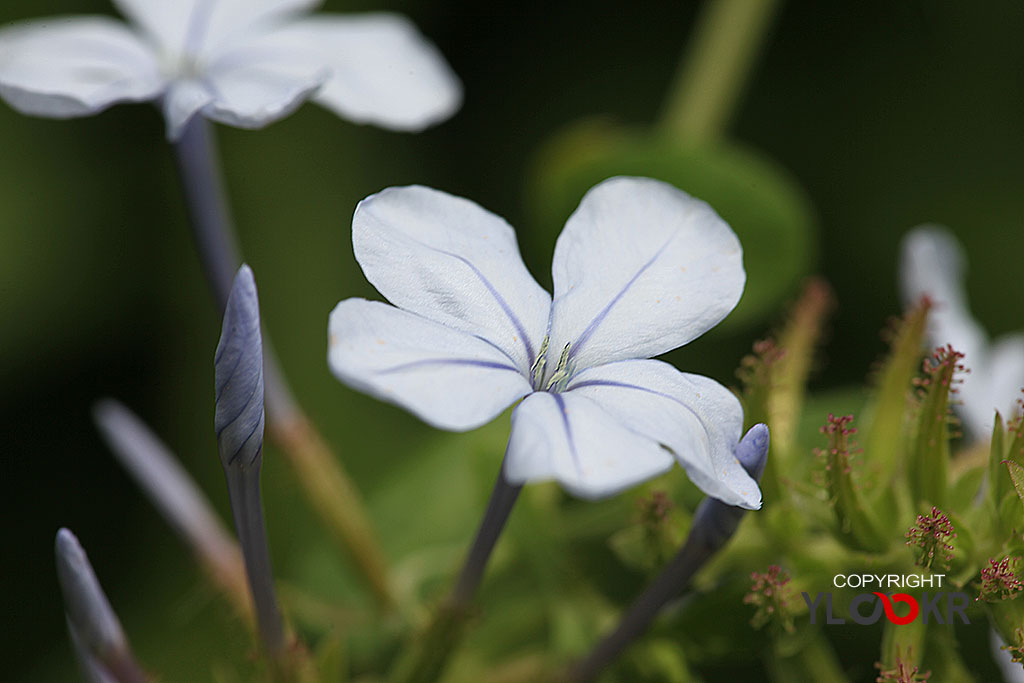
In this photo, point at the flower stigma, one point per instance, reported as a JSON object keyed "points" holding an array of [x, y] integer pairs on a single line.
{"points": [[563, 372], [537, 370]]}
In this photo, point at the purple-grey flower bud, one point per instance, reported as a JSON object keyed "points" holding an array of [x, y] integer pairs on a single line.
{"points": [[238, 370], [90, 617], [752, 450]]}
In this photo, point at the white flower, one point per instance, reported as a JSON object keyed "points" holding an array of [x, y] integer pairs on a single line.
{"points": [[932, 264], [242, 62], [640, 268]]}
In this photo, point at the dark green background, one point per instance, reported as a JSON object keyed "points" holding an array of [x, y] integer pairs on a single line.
{"points": [[889, 114]]}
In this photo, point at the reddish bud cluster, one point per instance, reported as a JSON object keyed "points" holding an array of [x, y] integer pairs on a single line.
{"points": [[930, 534], [839, 450], [755, 368], [1016, 651], [999, 580], [903, 672], [942, 367], [768, 595], [896, 324], [655, 508]]}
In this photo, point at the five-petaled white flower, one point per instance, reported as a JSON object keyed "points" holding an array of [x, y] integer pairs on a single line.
{"points": [[932, 264], [640, 268], [242, 62]]}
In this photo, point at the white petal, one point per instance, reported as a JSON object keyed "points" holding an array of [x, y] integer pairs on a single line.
{"points": [[932, 264], [1006, 365], [198, 26], [384, 71], [256, 83], [449, 260], [74, 66], [166, 23], [994, 385], [641, 268], [695, 416], [181, 102], [570, 438], [447, 378]]}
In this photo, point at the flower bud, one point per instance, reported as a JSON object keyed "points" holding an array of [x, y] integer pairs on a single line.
{"points": [[90, 617]]}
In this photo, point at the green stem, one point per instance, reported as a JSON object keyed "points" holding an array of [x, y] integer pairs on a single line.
{"points": [[427, 655], [715, 69]]}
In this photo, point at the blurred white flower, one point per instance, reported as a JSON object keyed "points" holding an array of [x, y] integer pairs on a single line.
{"points": [[640, 268], [241, 62], [932, 264]]}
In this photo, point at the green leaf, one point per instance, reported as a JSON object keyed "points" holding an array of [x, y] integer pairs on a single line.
{"points": [[928, 460], [999, 485], [859, 528], [888, 412], [1017, 476], [904, 643], [331, 661], [798, 340]]}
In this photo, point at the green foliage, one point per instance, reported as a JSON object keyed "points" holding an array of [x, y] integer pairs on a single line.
{"points": [[885, 414], [928, 458]]}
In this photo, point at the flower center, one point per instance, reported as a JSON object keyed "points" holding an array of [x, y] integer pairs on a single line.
{"points": [[559, 379]]}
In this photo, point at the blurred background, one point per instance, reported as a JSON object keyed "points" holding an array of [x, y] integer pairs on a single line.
{"points": [[870, 117]]}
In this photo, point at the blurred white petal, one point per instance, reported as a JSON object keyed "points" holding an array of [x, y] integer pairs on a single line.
{"points": [[932, 264], [447, 378], [451, 261], [695, 416], [75, 66], [256, 84], [198, 27], [641, 268], [383, 71], [1004, 381]]}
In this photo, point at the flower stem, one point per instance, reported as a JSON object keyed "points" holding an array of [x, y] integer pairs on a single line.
{"points": [[713, 525], [503, 497], [247, 508], [426, 656], [716, 66], [327, 485]]}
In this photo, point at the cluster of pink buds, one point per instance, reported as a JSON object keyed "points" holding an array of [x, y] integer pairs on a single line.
{"points": [[932, 534]]}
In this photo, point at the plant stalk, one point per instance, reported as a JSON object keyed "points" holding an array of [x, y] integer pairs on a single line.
{"points": [[717, 63], [427, 655], [331, 491]]}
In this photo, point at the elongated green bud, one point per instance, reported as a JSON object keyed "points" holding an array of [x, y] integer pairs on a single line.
{"points": [[887, 412], [858, 527], [928, 461]]}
